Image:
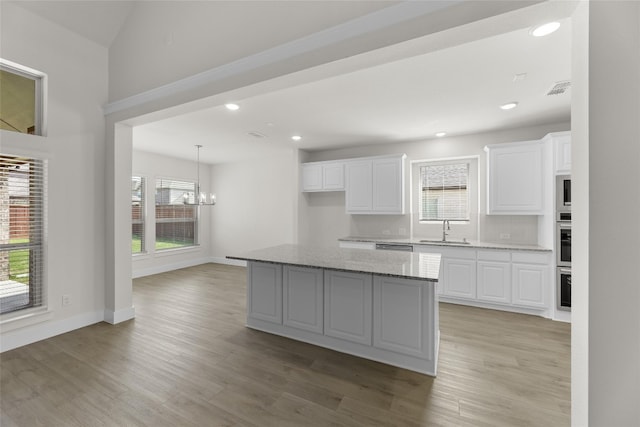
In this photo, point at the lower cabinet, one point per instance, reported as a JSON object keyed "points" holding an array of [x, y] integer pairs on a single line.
{"points": [[400, 321], [392, 320], [530, 279], [459, 277], [264, 291], [302, 296], [515, 279], [347, 306], [530, 285], [494, 277]]}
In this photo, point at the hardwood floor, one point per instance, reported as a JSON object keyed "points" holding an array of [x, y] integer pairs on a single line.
{"points": [[188, 360]]}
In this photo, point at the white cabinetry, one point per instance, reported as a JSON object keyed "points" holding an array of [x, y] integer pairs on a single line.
{"points": [[494, 276], [302, 298], [359, 186], [515, 280], [264, 291], [459, 277], [375, 185], [323, 176], [515, 178], [561, 152], [348, 305], [401, 322], [530, 280]]}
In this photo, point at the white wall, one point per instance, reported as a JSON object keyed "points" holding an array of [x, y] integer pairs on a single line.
{"points": [[257, 203], [322, 215], [75, 147], [611, 228], [153, 166]]}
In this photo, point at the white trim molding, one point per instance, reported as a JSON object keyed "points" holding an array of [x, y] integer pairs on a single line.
{"points": [[115, 317], [375, 21], [28, 335]]}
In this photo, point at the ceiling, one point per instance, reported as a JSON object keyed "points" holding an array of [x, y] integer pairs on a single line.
{"points": [[457, 90], [98, 20]]}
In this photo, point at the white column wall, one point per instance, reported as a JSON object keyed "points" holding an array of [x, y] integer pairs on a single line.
{"points": [[614, 213]]}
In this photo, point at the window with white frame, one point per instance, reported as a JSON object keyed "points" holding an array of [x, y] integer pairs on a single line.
{"points": [[22, 203], [21, 98], [176, 222], [444, 192], [138, 212]]}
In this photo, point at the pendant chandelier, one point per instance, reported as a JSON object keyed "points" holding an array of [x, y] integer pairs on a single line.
{"points": [[200, 198]]}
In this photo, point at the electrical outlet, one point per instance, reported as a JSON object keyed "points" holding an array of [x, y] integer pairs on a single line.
{"points": [[505, 236], [66, 300]]}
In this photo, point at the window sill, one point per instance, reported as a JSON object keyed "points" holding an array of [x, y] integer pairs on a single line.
{"points": [[175, 251], [22, 318]]}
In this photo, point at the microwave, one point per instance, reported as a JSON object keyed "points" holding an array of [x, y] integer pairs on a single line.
{"points": [[563, 193]]}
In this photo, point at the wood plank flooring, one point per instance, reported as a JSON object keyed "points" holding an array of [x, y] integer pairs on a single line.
{"points": [[188, 360]]}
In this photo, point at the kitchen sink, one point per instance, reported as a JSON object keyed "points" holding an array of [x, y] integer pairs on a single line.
{"points": [[452, 242]]}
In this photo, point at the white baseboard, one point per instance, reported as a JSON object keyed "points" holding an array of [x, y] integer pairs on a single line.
{"points": [[41, 331], [114, 317], [168, 267]]}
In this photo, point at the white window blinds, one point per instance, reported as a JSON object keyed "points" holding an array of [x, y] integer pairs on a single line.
{"points": [[138, 213], [176, 223], [22, 203], [444, 193]]}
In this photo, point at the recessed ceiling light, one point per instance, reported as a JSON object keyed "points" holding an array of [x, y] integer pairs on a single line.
{"points": [[544, 29], [296, 137], [232, 107], [509, 105], [441, 134]]}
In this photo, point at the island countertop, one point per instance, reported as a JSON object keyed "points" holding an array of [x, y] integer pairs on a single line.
{"points": [[410, 265]]}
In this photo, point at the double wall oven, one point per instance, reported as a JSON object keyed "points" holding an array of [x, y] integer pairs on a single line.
{"points": [[563, 242]]}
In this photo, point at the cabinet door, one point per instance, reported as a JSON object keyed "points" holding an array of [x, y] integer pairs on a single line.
{"points": [[388, 185], [562, 154], [302, 298], [459, 277], [359, 186], [403, 316], [494, 281], [529, 285], [311, 177], [333, 176], [264, 291], [347, 309], [515, 179]]}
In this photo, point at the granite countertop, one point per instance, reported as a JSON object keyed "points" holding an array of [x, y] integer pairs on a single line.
{"points": [[410, 265], [476, 244]]}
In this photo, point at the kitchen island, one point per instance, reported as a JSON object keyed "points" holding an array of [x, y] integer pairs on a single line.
{"points": [[379, 305]]}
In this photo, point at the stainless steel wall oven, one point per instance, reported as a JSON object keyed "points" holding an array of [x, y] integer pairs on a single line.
{"points": [[563, 242], [563, 286]]}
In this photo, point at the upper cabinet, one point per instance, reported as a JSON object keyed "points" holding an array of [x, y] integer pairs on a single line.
{"points": [[561, 142], [323, 176], [375, 185], [515, 178]]}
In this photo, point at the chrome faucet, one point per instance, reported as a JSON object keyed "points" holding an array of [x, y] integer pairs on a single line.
{"points": [[448, 227]]}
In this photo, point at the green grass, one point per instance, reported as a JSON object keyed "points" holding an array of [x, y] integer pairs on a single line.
{"points": [[19, 263], [160, 244]]}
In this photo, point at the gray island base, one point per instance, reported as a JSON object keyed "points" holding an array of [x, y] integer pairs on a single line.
{"points": [[379, 305]]}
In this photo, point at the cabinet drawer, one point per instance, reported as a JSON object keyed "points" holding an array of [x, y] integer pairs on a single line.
{"points": [[503, 256], [530, 257]]}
